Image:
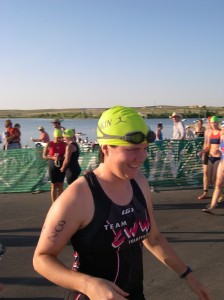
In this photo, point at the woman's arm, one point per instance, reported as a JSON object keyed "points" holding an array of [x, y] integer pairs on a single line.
{"points": [[46, 151], [158, 245], [69, 213], [68, 153], [63, 220]]}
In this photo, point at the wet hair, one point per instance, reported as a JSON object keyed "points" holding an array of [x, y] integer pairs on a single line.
{"points": [[101, 154]]}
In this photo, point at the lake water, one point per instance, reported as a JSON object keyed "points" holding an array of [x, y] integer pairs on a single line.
{"points": [[29, 127]]}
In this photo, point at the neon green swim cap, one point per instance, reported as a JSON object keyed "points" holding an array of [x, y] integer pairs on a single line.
{"points": [[214, 119], [57, 133], [69, 133], [119, 121]]}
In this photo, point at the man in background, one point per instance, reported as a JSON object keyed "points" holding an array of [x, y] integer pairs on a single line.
{"points": [[179, 132], [44, 136], [57, 124]]}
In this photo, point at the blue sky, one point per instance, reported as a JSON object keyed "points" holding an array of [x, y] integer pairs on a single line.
{"points": [[100, 53]]}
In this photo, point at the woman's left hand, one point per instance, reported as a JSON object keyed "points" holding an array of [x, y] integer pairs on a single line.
{"points": [[198, 288]]}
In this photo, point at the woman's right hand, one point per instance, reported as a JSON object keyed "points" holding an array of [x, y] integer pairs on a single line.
{"points": [[101, 289]]}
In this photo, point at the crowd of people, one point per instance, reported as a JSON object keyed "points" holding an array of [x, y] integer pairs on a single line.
{"points": [[62, 152], [11, 136], [180, 131], [109, 259], [212, 154], [66, 164]]}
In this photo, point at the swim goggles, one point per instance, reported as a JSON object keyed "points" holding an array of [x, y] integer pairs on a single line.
{"points": [[135, 137]]}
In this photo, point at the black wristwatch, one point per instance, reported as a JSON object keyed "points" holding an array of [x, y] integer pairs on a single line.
{"points": [[188, 271]]}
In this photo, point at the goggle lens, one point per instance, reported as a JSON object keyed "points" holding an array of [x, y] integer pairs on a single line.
{"points": [[133, 137]]}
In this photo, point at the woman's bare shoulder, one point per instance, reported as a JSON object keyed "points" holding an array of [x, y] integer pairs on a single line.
{"points": [[76, 202]]}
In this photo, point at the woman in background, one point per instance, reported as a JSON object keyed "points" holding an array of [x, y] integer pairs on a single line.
{"points": [[199, 130], [214, 155], [189, 133], [54, 152], [219, 177], [70, 164]]}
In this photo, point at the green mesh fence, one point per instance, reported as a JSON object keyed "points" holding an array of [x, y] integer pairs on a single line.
{"points": [[168, 164], [174, 164]]}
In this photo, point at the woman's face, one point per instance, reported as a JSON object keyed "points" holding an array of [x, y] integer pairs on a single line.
{"points": [[66, 139], [214, 125], [125, 162], [58, 139]]}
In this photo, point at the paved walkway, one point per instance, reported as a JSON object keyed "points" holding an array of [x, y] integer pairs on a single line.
{"points": [[196, 236]]}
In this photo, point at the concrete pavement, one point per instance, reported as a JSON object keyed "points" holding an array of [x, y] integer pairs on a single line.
{"points": [[197, 237]]}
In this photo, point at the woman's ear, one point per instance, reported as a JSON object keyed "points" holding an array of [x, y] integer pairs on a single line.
{"points": [[105, 149]]}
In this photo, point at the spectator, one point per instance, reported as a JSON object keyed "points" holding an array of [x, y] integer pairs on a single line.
{"points": [[159, 134], [44, 136], [179, 132], [17, 125], [11, 136], [57, 124], [189, 133], [199, 130]]}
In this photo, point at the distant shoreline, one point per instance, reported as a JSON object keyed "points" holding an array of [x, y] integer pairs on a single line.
{"points": [[149, 112]]}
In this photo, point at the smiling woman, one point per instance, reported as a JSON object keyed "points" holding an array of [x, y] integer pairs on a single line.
{"points": [[107, 214]]}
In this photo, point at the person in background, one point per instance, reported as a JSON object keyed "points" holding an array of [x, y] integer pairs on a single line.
{"points": [[108, 215], [205, 160], [17, 125], [57, 124], [219, 183], [70, 164], [75, 138], [11, 136], [179, 132], [212, 148], [189, 133], [54, 152], [159, 134], [44, 136], [199, 130]]}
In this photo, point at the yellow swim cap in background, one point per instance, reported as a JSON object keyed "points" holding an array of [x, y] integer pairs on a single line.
{"points": [[57, 133], [119, 121], [69, 133]]}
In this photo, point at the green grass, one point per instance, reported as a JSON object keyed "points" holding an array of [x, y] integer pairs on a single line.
{"points": [[147, 111]]}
